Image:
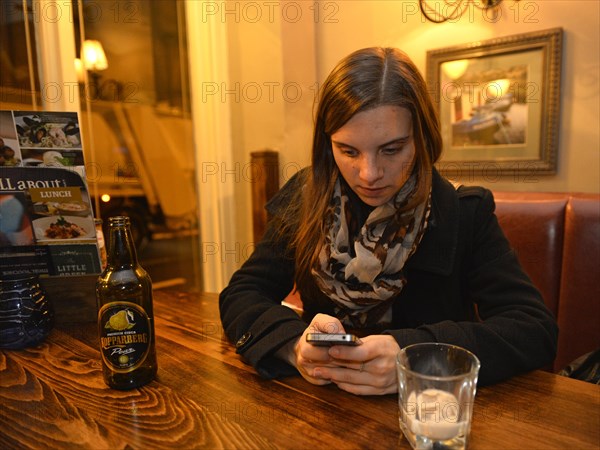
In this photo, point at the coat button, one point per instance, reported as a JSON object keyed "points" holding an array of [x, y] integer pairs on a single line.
{"points": [[241, 341]]}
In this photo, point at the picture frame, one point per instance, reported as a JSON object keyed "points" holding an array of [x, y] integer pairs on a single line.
{"points": [[499, 104]]}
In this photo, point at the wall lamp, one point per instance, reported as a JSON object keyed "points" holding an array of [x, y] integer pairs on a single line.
{"points": [[439, 11], [93, 59]]}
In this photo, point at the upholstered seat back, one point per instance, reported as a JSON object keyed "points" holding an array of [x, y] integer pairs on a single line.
{"points": [[534, 225], [557, 239], [579, 307]]}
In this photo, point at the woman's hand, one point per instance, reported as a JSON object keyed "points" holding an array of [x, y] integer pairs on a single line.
{"points": [[308, 357], [367, 369]]}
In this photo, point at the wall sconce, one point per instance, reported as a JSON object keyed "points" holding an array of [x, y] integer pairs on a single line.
{"points": [[439, 11], [94, 59], [455, 69]]}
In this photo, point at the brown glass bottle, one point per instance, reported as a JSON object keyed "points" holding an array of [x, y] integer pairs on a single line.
{"points": [[125, 315]]}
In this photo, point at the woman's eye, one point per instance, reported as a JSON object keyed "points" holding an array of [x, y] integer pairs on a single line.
{"points": [[391, 150], [348, 152]]}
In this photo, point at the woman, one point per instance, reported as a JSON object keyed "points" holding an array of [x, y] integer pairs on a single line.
{"points": [[376, 242]]}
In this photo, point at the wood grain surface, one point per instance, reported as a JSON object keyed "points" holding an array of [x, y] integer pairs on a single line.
{"points": [[205, 396]]}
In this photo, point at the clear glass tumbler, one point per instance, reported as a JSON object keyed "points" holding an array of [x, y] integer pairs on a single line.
{"points": [[436, 389]]}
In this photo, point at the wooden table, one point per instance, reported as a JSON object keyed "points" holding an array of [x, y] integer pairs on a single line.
{"points": [[53, 396]]}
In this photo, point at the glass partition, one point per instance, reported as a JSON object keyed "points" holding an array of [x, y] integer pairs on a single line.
{"points": [[19, 75], [135, 117]]}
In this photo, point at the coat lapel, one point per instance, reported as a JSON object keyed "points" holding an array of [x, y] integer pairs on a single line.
{"points": [[437, 250]]}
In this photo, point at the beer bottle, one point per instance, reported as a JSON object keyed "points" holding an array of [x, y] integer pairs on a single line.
{"points": [[125, 316]]}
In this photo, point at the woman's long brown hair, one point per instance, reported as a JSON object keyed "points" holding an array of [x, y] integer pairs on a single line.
{"points": [[365, 79]]}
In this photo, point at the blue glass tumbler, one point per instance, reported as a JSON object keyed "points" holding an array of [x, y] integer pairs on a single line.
{"points": [[26, 314]]}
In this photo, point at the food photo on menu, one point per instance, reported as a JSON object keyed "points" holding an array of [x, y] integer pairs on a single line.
{"points": [[34, 157], [61, 227], [47, 130], [61, 213], [10, 154], [47, 139]]}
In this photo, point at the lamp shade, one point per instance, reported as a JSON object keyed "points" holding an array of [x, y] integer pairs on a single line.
{"points": [[455, 69], [497, 88], [93, 55]]}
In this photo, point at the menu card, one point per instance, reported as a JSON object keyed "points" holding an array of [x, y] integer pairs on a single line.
{"points": [[46, 217]]}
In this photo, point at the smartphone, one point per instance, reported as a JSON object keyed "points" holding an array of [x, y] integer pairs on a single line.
{"points": [[329, 339]]}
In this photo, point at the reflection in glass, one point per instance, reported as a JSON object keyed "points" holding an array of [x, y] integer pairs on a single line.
{"points": [[141, 146]]}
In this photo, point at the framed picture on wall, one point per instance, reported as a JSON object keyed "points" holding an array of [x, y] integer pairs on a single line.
{"points": [[499, 104]]}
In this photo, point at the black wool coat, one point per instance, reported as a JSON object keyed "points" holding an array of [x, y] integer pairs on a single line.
{"points": [[464, 286]]}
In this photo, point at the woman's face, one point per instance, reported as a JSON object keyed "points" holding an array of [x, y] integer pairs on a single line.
{"points": [[375, 152]]}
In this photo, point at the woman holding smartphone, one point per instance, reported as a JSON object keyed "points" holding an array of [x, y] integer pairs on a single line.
{"points": [[376, 242]]}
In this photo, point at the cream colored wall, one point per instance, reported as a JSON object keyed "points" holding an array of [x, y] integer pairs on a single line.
{"points": [[256, 113], [270, 93], [399, 24]]}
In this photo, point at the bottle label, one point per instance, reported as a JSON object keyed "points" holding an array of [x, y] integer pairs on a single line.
{"points": [[124, 335]]}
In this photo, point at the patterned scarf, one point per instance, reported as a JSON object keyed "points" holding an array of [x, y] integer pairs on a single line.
{"points": [[360, 267]]}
